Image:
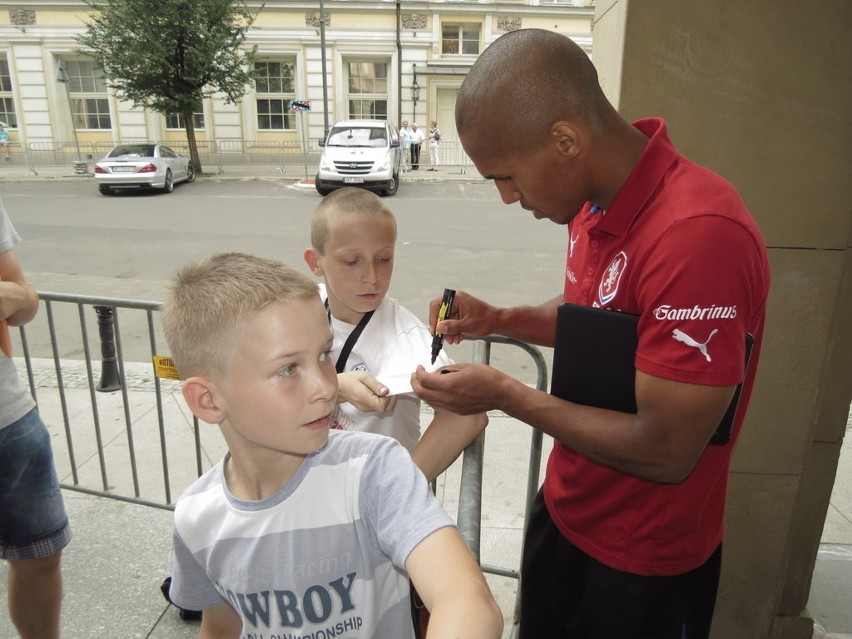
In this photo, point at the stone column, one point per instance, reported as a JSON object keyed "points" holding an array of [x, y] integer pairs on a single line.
{"points": [[760, 92]]}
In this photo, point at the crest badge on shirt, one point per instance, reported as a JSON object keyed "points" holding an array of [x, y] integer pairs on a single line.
{"points": [[608, 288], [340, 420]]}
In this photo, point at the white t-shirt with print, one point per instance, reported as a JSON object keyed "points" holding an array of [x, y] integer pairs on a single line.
{"points": [[390, 348], [323, 557]]}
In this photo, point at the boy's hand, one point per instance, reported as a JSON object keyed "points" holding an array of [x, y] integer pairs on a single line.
{"points": [[364, 392], [469, 315], [18, 300], [8, 305]]}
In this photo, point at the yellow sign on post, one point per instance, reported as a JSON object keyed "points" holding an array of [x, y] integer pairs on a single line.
{"points": [[164, 367]]}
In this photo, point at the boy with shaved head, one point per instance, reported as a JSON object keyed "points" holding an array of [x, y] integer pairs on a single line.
{"points": [[353, 242]]}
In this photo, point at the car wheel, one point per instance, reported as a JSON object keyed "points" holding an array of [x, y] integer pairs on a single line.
{"points": [[190, 172], [105, 190], [169, 184], [320, 188], [392, 186]]}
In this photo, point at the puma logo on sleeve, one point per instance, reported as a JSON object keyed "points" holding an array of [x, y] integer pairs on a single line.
{"points": [[680, 336]]}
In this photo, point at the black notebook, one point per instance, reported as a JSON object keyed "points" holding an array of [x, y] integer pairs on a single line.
{"points": [[593, 362]]}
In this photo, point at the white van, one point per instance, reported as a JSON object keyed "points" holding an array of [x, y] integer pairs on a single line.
{"points": [[363, 153]]}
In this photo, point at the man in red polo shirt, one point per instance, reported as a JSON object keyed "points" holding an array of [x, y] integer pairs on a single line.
{"points": [[625, 536]]}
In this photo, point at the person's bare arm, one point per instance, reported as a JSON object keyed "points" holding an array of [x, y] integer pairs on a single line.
{"points": [[662, 442], [453, 589], [220, 622], [18, 300], [445, 439]]}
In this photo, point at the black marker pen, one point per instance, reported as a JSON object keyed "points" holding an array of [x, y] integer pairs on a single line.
{"points": [[443, 313]]}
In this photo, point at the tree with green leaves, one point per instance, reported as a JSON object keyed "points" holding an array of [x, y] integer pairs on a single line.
{"points": [[171, 54]]}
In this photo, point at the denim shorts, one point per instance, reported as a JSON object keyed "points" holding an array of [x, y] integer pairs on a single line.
{"points": [[33, 522]]}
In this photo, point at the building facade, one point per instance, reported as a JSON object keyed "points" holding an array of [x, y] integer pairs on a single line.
{"points": [[402, 60]]}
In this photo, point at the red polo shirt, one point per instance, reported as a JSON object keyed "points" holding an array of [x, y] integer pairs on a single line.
{"points": [[679, 248]]}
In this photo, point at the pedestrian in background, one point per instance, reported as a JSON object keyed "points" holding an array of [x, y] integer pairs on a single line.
{"points": [[434, 140], [33, 525], [416, 143], [4, 138], [405, 140]]}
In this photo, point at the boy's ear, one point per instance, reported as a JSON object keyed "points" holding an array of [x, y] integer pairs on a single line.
{"points": [[201, 397], [312, 260]]}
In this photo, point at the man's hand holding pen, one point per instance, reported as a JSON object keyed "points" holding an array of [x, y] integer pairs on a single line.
{"points": [[464, 389], [468, 316], [444, 311]]}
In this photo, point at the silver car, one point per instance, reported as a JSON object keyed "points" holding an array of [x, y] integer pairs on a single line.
{"points": [[143, 164]]}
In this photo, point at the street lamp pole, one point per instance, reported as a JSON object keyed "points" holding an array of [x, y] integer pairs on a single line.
{"points": [[80, 167], [324, 75], [415, 91], [62, 76]]}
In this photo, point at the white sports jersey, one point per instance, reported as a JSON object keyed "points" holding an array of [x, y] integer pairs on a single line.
{"points": [[393, 343], [324, 557]]}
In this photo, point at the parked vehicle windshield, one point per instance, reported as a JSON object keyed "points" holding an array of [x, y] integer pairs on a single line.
{"points": [[359, 137]]}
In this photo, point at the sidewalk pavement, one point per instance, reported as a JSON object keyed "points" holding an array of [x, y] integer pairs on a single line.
{"points": [[831, 588]]}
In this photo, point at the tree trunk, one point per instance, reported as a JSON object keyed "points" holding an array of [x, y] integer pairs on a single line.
{"points": [[189, 125]]}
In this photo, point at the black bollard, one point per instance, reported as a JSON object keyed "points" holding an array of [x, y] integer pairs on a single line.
{"points": [[110, 379]]}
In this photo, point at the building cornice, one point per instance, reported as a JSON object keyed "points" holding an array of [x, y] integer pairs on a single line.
{"points": [[389, 6]]}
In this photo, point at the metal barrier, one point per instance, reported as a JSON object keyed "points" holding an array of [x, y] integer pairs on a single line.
{"points": [[52, 345], [53, 360], [482, 354], [261, 149], [289, 156], [19, 155], [451, 155], [286, 155], [52, 153]]}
